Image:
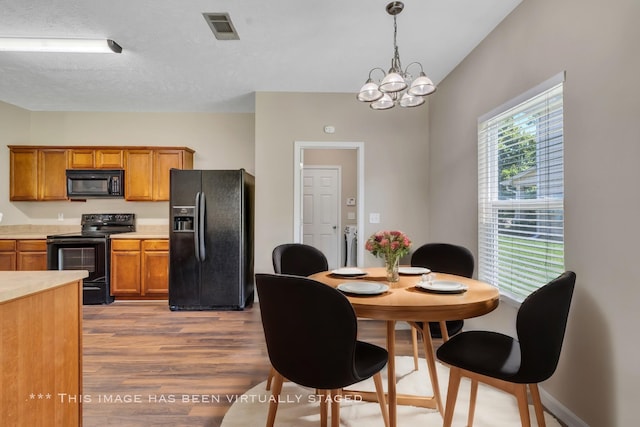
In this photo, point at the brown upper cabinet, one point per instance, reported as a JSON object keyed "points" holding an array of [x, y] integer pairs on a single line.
{"points": [[96, 159], [138, 176], [109, 159], [23, 164], [38, 172], [147, 172], [82, 159]]}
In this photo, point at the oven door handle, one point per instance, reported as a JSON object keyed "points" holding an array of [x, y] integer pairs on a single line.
{"points": [[62, 242]]}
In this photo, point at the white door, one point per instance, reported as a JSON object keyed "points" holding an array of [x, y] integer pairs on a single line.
{"points": [[321, 211]]}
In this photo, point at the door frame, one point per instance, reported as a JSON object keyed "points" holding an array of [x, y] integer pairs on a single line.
{"points": [[298, 165]]}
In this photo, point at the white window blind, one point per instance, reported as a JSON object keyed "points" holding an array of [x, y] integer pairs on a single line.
{"points": [[521, 192]]}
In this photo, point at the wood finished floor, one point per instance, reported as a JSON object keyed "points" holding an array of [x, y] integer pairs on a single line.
{"points": [[145, 365]]}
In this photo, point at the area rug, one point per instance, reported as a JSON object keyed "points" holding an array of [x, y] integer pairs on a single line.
{"points": [[299, 406]]}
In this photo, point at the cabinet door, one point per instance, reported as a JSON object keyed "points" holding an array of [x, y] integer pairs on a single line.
{"points": [[138, 175], [52, 178], [7, 261], [155, 268], [23, 174], [81, 159], [125, 268], [31, 255], [109, 159], [163, 161], [7, 255], [31, 261]]}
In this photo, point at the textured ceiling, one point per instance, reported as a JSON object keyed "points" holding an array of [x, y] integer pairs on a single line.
{"points": [[172, 62]]}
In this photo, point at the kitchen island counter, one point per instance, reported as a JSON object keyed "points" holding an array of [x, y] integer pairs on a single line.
{"points": [[41, 347], [17, 284]]}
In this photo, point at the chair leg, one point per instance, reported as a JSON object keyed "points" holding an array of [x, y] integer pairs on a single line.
{"points": [[414, 340], [377, 380], [537, 405], [444, 331], [430, 357], [275, 393], [523, 405], [472, 402], [270, 378], [323, 407], [335, 407], [452, 395]]}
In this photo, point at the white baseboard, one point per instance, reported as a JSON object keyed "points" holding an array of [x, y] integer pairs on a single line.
{"points": [[560, 411]]}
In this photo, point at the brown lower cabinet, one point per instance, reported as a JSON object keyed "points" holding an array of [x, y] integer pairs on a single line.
{"points": [[23, 255], [140, 268]]}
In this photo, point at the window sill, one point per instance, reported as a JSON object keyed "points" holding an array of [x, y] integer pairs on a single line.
{"points": [[510, 301]]}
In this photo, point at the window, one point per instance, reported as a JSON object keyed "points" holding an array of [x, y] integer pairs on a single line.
{"points": [[521, 191]]}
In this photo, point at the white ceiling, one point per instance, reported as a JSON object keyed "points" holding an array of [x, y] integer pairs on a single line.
{"points": [[172, 62]]}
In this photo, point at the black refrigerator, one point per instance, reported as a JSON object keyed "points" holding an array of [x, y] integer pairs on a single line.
{"points": [[211, 239]]}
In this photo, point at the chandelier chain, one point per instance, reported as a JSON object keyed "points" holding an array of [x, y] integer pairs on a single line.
{"points": [[397, 67]]}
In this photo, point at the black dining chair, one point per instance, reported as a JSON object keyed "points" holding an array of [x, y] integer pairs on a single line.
{"points": [[513, 364], [314, 347], [298, 259], [443, 258]]}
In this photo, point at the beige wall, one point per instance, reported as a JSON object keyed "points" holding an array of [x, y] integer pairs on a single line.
{"points": [[597, 46], [220, 141], [14, 129], [395, 162]]}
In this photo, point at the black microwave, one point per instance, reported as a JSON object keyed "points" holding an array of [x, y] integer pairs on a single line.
{"points": [[95, 183]]}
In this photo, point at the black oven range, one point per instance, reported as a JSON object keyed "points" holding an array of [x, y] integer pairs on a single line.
{"points": [[90, 250]]}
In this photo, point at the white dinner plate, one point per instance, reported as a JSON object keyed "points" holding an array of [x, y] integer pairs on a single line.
{"points": [[413, 271], [349, 272], [442, 286], [363, 288]]}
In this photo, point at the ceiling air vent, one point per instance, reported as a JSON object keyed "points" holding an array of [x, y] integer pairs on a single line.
{"points": [[221, 25]]}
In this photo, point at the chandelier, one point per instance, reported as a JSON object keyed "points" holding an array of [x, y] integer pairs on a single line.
{"points": [[397, 87]]}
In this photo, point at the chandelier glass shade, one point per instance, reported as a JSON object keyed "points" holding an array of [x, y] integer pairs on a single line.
{"points": [[397, 86]]}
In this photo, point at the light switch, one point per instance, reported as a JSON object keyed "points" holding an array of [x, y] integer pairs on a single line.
{"points": [[351, 215], [374, 218]]}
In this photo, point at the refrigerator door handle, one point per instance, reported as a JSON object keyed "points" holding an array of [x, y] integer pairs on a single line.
{"points": [[196, 227], [202, 212]]}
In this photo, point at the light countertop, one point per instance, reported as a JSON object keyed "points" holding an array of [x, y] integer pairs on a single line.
{"points": [[141, 235], [26, 232], [30, 231], [16, 284], [24, 236]]}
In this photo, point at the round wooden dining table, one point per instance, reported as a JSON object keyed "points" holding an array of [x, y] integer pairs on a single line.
{"points": [[403, 301]]}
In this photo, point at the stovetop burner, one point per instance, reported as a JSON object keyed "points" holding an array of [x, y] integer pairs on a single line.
{"points": [[101, 225]]}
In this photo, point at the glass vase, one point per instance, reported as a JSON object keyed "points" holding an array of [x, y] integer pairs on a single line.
{"points": [[391, 265]]}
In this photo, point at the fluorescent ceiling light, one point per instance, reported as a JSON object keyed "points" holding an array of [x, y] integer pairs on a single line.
{"points": [[14, 44]]}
